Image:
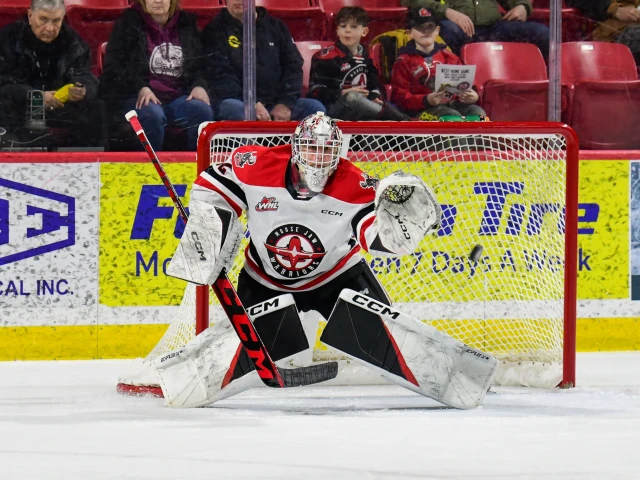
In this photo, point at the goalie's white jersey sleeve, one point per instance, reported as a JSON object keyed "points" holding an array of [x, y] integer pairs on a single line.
{"points": [[296, 244]]}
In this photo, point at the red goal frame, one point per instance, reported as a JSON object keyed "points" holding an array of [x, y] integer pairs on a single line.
{"points": [[440, 128]]}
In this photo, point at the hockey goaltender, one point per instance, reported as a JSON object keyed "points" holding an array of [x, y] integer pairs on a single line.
{"points": [[309, 213]]}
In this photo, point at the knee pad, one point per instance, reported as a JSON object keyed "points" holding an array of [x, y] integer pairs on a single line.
{"points": [[278, 324]]}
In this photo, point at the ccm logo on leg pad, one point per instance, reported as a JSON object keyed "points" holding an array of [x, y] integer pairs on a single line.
{"points": [[374, 306], [271, 305]]}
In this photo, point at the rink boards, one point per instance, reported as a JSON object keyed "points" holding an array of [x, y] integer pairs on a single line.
{"points": [[85, 239]]}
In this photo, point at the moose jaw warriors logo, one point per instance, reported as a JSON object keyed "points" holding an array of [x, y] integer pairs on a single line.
{"points": [[356, 77], [294, 250], [244, 158], [267, 204], [369, 182]]}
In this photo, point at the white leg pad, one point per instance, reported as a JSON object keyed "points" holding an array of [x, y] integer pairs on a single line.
{"points": [[309, 321], [193, 375], [426, 360]]}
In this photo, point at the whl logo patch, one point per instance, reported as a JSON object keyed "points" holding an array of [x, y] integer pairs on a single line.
{"points": [[43, 221], [267, 204]]}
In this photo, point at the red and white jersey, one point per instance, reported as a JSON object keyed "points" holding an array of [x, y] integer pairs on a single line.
{"points": [[297, 244]]}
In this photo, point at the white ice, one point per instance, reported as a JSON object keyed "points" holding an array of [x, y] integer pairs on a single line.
{"points": [[64, 420]]}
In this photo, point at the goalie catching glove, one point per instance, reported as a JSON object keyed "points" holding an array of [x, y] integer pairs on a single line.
{"points": [[406, 211], [209, 243]]}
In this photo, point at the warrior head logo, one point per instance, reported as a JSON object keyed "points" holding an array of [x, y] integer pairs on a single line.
{"points": [[369, 182], [244, 158]]}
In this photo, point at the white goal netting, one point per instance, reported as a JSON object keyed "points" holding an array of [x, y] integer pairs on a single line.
{"points": [[504, 191]]}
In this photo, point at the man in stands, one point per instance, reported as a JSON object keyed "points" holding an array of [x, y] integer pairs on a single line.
{"points": [[278, 67], [41, 53], [468, 21]]}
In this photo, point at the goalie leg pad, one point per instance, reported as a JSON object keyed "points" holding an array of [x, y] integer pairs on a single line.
{"points": [[278, 324], [200, 373], [214, 365], [408, 352]]}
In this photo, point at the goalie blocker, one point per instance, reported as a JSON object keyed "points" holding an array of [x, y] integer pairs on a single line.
{"points": [[408, 352], [209, 243]]}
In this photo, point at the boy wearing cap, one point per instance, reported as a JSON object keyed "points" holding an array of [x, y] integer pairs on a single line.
{"points": [[414, 73], [343, 76]]}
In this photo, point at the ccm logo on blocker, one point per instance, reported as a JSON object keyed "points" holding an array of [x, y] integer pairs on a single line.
{"points": [[198, 245]]}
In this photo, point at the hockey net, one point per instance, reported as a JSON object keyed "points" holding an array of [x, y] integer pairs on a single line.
{"points": [[511, 188]]}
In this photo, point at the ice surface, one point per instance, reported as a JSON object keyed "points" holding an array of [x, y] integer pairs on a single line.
{"points": [[63, 420]]}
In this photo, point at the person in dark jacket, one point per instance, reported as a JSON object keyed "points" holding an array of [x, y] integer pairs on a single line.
{"points": [[468, 21], [593, 9], [41, 53], [343, 76], [153, 64], [622, 26], [414, 73], [278, 67]]}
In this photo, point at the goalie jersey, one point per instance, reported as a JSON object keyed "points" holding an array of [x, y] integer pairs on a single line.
{"points": [[297, 243]]}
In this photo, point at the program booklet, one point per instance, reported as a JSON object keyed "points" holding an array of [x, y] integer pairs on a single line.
{"points": [[454, 78]]}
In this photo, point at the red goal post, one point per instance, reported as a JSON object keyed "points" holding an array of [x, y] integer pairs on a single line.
{"points": [[506, 158]]}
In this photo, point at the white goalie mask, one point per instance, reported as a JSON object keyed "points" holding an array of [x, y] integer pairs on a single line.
{"points": [[316, 146]]}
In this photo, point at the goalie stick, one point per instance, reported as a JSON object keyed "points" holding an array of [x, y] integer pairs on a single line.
{"points": [[270, 374]]}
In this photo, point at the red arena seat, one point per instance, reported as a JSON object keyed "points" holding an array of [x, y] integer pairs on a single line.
{"points": [[93, 20], [604, 94], [12, 10], [511, 79], [303, 17], [307, 50], [205, 10]]}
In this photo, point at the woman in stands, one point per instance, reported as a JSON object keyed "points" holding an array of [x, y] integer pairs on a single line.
{"points": [[152, 65]]}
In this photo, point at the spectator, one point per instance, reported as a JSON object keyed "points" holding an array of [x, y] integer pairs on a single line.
{"points": [[278, 67], [42, 53], [623, 26], [468, 21], [593, 9], [414, 73], [343, 76], [152, 65]]}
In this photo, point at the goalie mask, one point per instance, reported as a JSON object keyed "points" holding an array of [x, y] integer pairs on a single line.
{"points": [[316, 146]]}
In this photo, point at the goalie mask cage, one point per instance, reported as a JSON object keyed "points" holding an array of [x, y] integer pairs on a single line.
{"points": [[510, 187]]}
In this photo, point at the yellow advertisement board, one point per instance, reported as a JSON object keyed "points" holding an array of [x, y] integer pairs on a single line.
{"points": [[509, 211], [139, 231]]}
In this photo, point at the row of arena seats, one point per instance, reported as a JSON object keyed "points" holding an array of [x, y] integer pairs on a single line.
{"points": [[307, 19], [600, 93], [600, 87]]}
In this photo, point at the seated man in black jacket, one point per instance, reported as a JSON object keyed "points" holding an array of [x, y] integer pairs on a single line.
{"points": [[278, 67], [41, 54]]}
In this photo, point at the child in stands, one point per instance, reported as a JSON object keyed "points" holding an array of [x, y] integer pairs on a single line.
{"points": [[343, 76], [414, 73]]}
